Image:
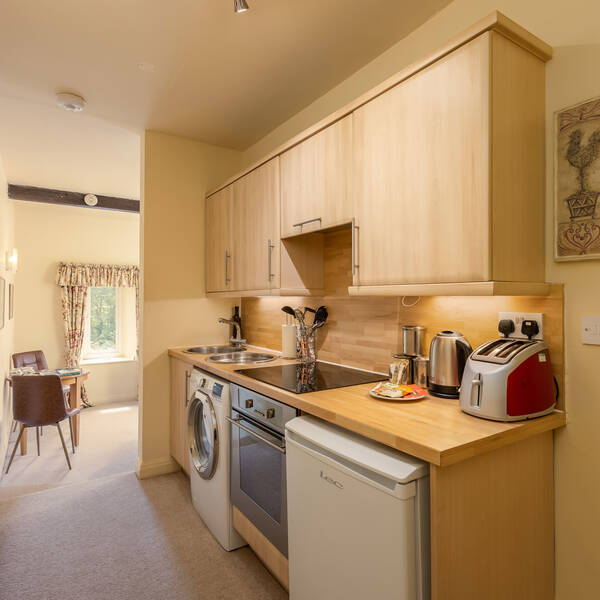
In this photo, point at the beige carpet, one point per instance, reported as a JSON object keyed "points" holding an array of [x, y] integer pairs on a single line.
{"points": [[118, 538], [107, 446]]}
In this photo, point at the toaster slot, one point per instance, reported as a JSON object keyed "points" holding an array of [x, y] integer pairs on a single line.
{"points": [[488, 348]]}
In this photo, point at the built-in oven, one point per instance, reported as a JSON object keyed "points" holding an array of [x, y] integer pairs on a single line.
{"points": [[258, 481]]}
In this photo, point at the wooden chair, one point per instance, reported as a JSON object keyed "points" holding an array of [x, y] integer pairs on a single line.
{"points": [[38, 400]]}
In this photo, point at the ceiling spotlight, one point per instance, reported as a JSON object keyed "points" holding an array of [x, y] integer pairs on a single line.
{"points": [[240, 6], [70, 102]]}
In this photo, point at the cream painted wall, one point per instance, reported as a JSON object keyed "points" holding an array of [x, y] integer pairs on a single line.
{"points": [[46, 146], [571, 27], [7, 333], [176, 173], [45, 235]]}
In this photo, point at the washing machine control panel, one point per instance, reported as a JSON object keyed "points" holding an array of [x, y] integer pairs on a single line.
{"points": [[217, 390]]}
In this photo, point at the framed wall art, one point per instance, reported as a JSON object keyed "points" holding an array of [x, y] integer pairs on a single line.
{"points": [[2, 296], [11, 301], [577, 182]]}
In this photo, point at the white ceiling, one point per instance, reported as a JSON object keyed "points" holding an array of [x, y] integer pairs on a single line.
{"points": [[219, 77]]}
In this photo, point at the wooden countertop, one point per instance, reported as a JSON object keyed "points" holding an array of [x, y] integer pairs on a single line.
{"points": [[432, 429]]}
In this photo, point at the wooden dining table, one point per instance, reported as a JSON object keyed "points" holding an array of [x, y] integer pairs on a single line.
{"points": [[74, 382]]}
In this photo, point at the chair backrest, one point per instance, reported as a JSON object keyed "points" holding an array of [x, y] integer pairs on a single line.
{"points": [[33, 358], [38, 399]]}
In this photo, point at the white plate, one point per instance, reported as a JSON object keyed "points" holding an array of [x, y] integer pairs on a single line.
{"points": [[402, 399]]}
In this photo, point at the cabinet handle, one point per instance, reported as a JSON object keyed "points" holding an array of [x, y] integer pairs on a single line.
{"points": [[269, 248], [227, 257], [354, 230], [306, 222], [187, 387]]}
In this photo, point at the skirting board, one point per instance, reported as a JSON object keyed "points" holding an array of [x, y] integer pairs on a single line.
{"points": [[144, 469]]}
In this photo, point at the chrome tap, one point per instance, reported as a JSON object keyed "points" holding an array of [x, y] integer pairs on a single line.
{"points": [[237, 330]]}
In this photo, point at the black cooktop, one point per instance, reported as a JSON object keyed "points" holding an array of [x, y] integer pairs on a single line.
{"points": [[312, 377]]}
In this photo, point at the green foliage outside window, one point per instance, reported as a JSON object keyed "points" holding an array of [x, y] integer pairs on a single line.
{"points": [[103, 318]]}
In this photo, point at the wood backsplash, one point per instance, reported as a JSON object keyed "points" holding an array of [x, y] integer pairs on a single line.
{"points": [[365, 331]]}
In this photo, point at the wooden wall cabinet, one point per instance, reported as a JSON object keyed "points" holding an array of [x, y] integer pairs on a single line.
{"points": [[219, 241], [449, 172], [439, 171], [180, 397], [316, 181], [255, 229]]}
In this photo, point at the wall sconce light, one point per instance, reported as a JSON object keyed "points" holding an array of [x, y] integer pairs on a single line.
{"points": [[12, 260]]}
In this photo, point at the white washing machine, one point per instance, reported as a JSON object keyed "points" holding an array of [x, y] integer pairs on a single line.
{"points": [[209, 444]]}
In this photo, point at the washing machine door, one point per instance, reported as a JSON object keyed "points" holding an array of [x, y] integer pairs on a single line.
{"points": [[203, 435]]}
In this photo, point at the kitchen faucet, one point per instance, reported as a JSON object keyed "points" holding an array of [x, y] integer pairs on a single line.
{"points": [[237, 330]]}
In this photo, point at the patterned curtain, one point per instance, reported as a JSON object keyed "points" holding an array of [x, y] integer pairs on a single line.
{"points": [[74, 300], [97, 275], [74, 281]]}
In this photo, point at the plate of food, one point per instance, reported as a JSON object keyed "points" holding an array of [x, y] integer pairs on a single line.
{"points": [[392, 391]]}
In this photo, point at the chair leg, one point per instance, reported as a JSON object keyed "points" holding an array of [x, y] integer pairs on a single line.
{"points": [[37, 438], [14, 427], [15, 448], [62, 439], [71, 429], [42, 431]]}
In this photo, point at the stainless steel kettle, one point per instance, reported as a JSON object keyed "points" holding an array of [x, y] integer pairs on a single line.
{"points": [[448, 355]]}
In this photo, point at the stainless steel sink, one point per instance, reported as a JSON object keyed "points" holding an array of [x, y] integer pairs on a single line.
{"points": [[242, 358], [213, 349]]}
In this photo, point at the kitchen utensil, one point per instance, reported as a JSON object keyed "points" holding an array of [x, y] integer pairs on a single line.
{"points": [[508, 380], [401, 370], [421, 371], [320, 319], [289, 310], [448, 355], [412, 339]]}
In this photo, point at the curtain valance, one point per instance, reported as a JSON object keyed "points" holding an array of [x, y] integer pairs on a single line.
{"points": [[70, 274]]}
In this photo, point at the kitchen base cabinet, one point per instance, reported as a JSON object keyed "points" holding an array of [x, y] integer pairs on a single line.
{"points": [[492, 524], [276, 562], [180, 394]]}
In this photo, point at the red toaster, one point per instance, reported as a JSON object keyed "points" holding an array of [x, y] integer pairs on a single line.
{"points": [[508, 380]]}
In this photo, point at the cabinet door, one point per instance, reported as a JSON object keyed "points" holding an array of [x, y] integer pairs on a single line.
{"points": [[421, 163], [314, 180], [256, 229], [180, 393], [219, 267]]}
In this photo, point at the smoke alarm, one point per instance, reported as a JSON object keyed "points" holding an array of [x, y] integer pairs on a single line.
{"points": [[70, 102]]}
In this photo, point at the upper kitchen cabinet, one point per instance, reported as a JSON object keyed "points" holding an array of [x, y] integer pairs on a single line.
{"points": [[315, 181], [219, 246], [255, 229], [449, 175]]}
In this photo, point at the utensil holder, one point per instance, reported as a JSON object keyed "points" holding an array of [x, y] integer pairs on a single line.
{"points": [[305, 346]]}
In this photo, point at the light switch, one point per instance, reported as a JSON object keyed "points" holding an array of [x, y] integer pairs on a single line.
{"points": [[590, 330]]}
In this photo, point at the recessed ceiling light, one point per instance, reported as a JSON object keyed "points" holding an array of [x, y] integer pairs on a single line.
{"points": [[240, 6], [70, 102], [145, 66]]}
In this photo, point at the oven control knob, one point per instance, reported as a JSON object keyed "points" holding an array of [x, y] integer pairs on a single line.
{"points": [[249, 403], [270, 413]]}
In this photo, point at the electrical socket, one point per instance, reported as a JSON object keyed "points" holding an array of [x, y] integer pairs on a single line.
{"points": [[518, 319]]}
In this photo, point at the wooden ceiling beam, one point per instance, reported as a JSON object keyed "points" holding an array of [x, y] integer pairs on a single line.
{"points": [[64, 198]]}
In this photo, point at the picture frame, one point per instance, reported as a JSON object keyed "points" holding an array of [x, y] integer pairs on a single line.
{"points": [[11, 301], [577, 182], [2, 300]]}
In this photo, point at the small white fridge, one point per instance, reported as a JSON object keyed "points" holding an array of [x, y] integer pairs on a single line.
{"points": [[358, 517]]}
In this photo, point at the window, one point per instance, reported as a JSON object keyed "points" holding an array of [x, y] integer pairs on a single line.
{"points": [[102, 336]]}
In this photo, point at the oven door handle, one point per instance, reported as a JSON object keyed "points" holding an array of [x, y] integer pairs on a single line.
{"points": [[237, 423]]}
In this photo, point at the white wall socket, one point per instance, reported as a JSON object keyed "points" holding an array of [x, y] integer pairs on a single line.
{"points": [[518, 319], [590, 330]]}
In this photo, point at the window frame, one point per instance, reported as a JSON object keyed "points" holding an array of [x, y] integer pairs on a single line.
{"points": [[86, 351]]}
